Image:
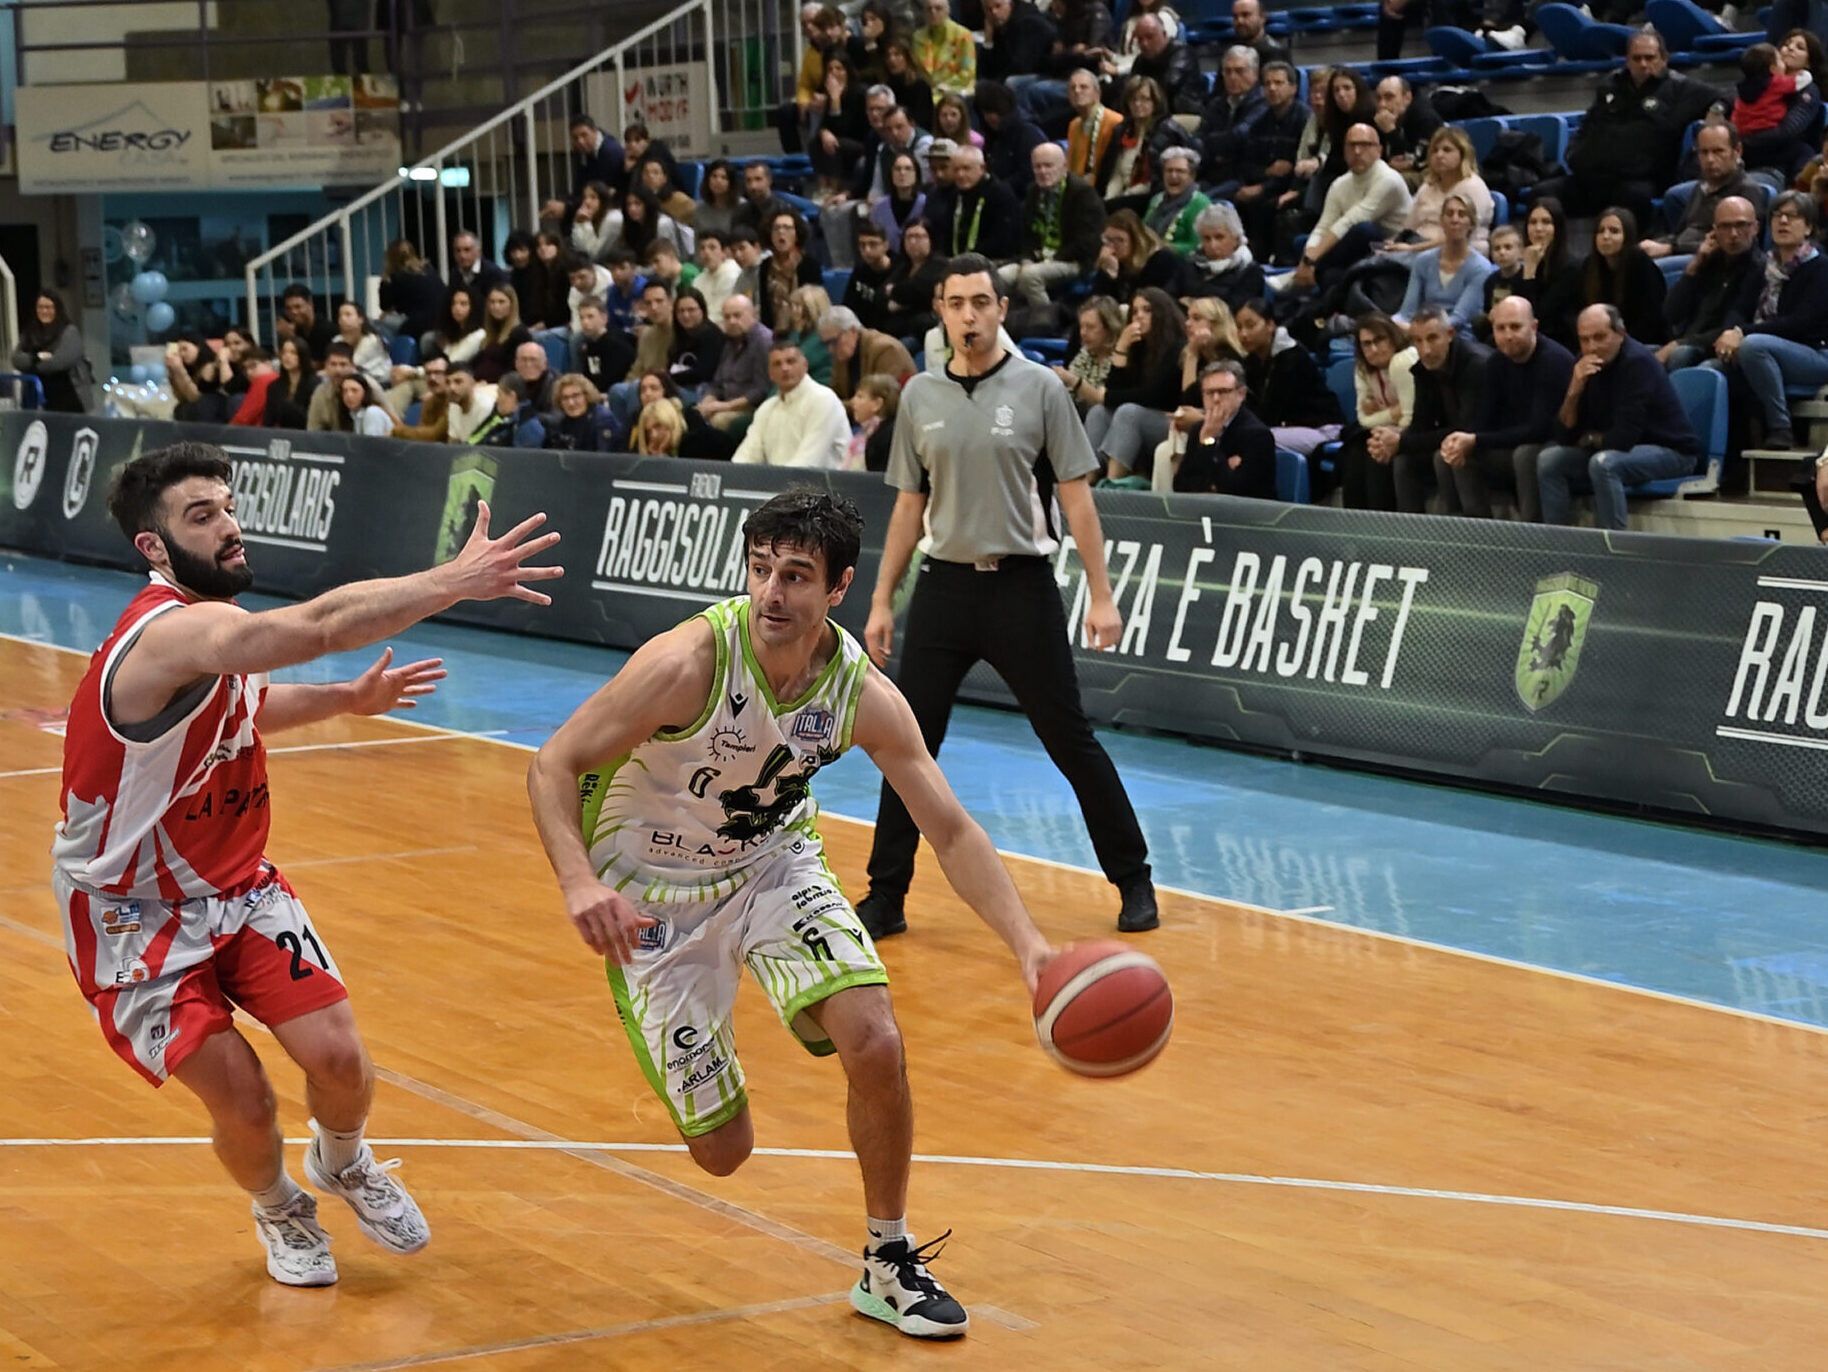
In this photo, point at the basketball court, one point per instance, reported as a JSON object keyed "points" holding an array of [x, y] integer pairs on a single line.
{"points": [[1457, 1139]]}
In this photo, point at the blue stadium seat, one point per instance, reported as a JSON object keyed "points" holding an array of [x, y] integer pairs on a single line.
{"points": [[1552, 129], [1455, 45], [1501, 209], [29, 389], [1051, 349], [836, 280], [1673, 266], [1570, 33], [558, 351], [413, 411], [1291, 477], [1681, 22], [1606, 42], [1702, 391], [1484, 135], [403, 350], [691, 177]]}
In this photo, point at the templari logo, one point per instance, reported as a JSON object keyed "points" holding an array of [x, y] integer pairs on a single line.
{"points": [[1552, 637]]}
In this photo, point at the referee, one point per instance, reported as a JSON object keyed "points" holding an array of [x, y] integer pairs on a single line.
{"points": [[979, 455]]}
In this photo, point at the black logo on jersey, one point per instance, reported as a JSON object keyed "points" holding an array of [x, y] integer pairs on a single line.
{"points": [[737, 701], [728, 743], [747, 816], [685, 1036]]}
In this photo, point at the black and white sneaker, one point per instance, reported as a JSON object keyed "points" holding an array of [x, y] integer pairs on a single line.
{"points": [[897, 1289]]}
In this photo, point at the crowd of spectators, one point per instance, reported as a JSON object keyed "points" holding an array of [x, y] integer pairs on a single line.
{"points": [[1201, 244]]}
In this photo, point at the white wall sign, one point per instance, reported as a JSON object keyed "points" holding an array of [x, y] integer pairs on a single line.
{"points": [[674, 102]]}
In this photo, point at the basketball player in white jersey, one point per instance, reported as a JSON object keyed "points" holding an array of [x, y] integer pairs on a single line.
{"points": [[172, 912], [676, 810]]}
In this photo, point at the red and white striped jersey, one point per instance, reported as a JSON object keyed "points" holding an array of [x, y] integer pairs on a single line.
{"points": [[175, 807]]}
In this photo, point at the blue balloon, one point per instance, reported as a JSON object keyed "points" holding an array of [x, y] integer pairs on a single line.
{"points": [[137, 373], [149, 287], [160, 316]]}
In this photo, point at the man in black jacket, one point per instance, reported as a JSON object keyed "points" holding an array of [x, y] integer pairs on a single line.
{"points": [[867, 295], [1447, 389], [1406, 125], [595, 156], [1620, 423], [1225, 125], [1009, 137], [1018, 40], [1247, 27], [1718, 289], [1627, 146], [974, 213], [1232, 452], [1173, 64], [1717, 157], [1266, 162], [1062, 218], [1525, 380]]}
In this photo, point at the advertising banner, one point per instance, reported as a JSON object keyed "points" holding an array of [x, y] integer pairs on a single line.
{"points": [[193, 135], [1689, 676]]}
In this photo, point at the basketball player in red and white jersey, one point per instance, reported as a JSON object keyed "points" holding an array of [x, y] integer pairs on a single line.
{"points": [[171, 911]]}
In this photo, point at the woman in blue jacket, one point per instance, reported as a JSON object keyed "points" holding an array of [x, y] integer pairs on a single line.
{"points": [[1451, 276]]}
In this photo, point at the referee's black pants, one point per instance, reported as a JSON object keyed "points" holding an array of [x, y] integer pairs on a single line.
{"points": [[1012, 619]]}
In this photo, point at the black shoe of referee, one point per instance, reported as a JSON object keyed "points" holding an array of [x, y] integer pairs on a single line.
{"points": [[882, 915], [1138, 913]]}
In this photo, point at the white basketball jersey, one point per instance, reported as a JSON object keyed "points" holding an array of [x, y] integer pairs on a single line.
{"points": [[690, 814]]}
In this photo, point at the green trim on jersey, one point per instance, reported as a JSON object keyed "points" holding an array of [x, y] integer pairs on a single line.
{"points": [[825, 990], [834, 665], [697, 1124], [718, 617]]}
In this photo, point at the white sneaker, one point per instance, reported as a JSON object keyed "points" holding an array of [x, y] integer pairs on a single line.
{"points": [[1511, 39], [383, 1210], [298, 1251], [1729, 17], [1280, 282], [897, 1289]]}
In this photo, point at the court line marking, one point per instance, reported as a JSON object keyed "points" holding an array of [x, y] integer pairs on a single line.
{"points": [[38, 935], [302, 748], [1305, 915], [605, 1331], [591, 1151]]}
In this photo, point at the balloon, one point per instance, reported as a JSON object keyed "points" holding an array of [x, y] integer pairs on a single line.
{"points": [[149, 287], [138, 240], [121, 298], [111, 244], [137, 372], [160, 317]]}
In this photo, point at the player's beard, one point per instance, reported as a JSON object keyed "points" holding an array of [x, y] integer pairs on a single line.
{"points": [[206, 575]]}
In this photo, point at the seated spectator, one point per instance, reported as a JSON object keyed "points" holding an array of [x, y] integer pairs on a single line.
{"points": [[911, 294], [1617, 272], [1084, 31], [660, 428], [1211, 336], [1766, 89], [600, 354], [289, 397], [945, 51], [195, 375], [975, 213], [904, 199], [356, 410], [320, 409], [717, 274], [1526, 378], [872, 409], [514, 422], [1100, 321], [1062, 217], [502, 335], [1449, 168], [717, 200], [1091, 128], [1365, 206], [1408, 127], [1247, 27], [1349, 100], [661, 263], [1448, 385], [1120, 59], [787, 267], [876, 26], [624, 290], [1717, 154], [470, 268], [536, 374], [741, 380], [1129, 171], [747, 251], [1225, 125], [697, 343], [1132, 258], [1451, 277], [759, 204], [1265, 169], [802, 424], [1504, 280], [837, 126], [586, 281], [548, 277], [653, 346], [471, 404], [805, 308], [596, 226], [1384, 383], [641, 148], [1786, 341], [261, 374], [595, 157], [1009, 139], [1129, 413], [1017, 41], [434, 409], [1223, 266], [298, 319], [645, 223], [234, 351], [411, 291], [1231, 452], [908, 79], [1287, 391], [1620, 423], [674, 203], [581, 423], [371, 356], [1169, 63], [1173, 210], [1784, 148], [1718, 289], [1546, 259], [867, 293], [857, 352]]}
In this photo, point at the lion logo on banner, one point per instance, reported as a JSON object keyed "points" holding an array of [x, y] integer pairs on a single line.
{"points": [[1552, 637]]}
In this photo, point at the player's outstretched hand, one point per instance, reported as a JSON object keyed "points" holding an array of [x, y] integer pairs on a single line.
{"points": [[383, 687], [492, 568], [608, 921]]}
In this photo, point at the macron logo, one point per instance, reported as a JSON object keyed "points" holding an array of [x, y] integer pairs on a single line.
{"points": [[936, 424]]}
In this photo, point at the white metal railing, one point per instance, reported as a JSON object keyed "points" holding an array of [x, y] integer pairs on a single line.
{"points": [[497, 176], [9, 314]]}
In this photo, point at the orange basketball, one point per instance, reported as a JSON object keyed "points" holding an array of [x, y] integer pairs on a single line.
{"points": [[1103, 1009]]}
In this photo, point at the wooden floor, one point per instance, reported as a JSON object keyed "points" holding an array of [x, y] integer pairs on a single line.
{"points": [[1301, 1052]]}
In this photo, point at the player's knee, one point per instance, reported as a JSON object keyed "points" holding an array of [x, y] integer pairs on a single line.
{"points": [[247, 1106], [339, 1064], [724, 1149], [874, 1052]]}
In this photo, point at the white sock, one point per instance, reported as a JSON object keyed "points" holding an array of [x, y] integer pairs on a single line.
{"points": [[339, 1152], [886, 1231], [277, 1196]]}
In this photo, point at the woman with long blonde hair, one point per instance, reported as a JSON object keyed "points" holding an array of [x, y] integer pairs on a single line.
{"points": [[659, 428], [1451, 167]]}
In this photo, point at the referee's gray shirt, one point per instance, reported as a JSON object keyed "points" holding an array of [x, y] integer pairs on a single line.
{"points": [[979, 453]]}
